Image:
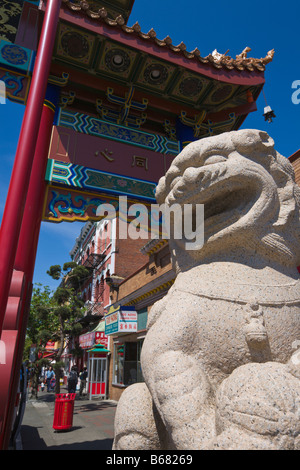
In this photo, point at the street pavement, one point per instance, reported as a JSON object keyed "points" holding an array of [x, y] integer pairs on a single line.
{"points": [[93, 425], [93, 429]]}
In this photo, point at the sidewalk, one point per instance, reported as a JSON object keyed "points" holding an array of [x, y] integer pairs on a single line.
{"points": [[93, 425]]}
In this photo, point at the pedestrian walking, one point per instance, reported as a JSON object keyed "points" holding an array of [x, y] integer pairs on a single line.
{"points": [[83, 377], [52, 384], [49, 376], [72, 380]]}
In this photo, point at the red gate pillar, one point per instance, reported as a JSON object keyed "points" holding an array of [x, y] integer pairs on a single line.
{"points": [[25, 259], [29, 234], [15, 203]]}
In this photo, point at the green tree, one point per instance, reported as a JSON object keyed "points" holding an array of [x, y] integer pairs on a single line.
{"points": [[54, 316], [68, 306], [39, 331]]}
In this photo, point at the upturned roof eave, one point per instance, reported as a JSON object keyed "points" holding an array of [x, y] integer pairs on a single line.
{"points": [[148, 43]]}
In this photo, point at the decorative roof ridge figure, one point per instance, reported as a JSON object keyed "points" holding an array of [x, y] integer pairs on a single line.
{"points": [[241, 62]]}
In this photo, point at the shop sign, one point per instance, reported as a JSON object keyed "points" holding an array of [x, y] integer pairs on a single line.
{"points": [[120, 320], [127, 321], [87, 340], [112, 323], [101, 338]]}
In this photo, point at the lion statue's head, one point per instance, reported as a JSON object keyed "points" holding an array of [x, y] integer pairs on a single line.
{"points": [[251, 201]]}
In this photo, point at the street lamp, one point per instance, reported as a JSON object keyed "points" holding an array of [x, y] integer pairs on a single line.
{"points": [[268, 114]]}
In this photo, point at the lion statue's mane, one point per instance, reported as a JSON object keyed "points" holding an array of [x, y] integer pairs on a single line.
{"points": [[243, 170]]}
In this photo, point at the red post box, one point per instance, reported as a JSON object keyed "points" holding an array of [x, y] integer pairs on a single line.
{"points": [[63, 411]]}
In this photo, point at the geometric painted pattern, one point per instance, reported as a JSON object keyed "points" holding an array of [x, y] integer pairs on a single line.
{"points": [[80, 177], [66, 173], [93, 126]]}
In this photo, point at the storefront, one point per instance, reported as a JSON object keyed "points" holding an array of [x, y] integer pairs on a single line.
{"points": [[127, 361], [120, 320], [95, 346], [97, 372], [127, 336]]}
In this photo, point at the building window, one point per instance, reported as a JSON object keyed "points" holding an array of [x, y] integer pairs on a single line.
{"points": [[140, 377], [165, 260], [118, 364], [127, 363], [142, 317]]}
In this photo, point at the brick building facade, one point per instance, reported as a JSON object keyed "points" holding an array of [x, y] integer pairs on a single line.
{"points": [[295, 161], [100, 249], [123, 273], [110, 260], [140, 290]]}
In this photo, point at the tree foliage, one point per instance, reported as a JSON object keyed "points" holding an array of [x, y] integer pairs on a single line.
{"points": [[54, 315]]}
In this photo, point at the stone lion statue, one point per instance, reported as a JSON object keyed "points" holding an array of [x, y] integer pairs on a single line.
{"points": [[222, 352]]}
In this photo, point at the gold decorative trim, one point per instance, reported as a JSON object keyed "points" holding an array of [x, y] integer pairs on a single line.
{"points": [[166, 285], [59, 81], [241, 62], [153, 246]]}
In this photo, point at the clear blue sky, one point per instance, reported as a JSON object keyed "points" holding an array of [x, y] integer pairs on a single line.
{"points": [[261, 25]]}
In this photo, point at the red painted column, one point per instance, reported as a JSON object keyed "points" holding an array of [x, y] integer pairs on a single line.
{"points": [[25, 259], [29, 234], [15, 203]]}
